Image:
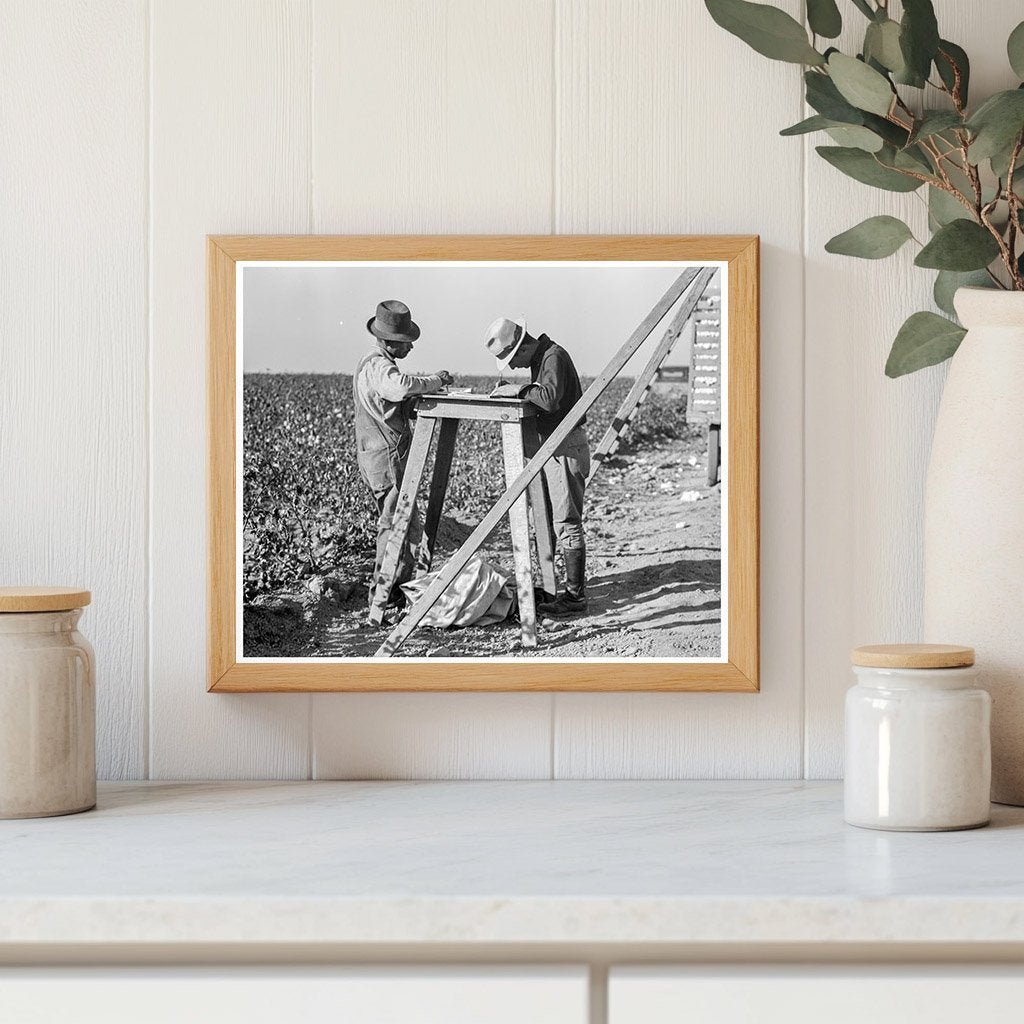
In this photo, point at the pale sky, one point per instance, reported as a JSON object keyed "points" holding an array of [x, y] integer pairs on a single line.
{"points": [[300, 319]]}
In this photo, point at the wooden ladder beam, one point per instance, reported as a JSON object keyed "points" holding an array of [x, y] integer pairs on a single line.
{"points": [[623, 417], [455, 564]]}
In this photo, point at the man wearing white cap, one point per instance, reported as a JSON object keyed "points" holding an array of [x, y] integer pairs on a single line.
{"points": [[383, 422], [554, 389]]}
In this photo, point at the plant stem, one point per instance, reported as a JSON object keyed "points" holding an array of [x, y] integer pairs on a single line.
{"points": [[1014, 207], [903, 106], [954, 93]]}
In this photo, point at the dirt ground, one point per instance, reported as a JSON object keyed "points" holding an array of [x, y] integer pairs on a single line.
{"points": [[654, 576]]}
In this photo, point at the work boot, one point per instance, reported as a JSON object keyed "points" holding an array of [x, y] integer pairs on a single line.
{"points": [[574, 600]]}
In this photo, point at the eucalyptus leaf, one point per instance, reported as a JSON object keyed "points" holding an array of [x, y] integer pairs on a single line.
{"points": [[872, 239], [1001, 162], [1015, 50], [951, 55], [947, 282], [769, 31], [882, 44], [825, 98], [892, 133], [944, 208], [860, 85], [817, 123], [864, 167], [962, 183], [960, 245], [925, 339], [856, 136], [824, 18], [919, 41], [1000, 159], [934, 122], [996, 125], [912, 158]]}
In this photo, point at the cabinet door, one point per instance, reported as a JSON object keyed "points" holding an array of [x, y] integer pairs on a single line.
{"points": [[275, 995], [813, 995]]}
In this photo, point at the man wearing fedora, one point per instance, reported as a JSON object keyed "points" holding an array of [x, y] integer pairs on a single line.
{"points": [[554, 389], [383, 422]]}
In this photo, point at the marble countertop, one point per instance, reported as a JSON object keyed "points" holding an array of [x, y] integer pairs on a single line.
{"points": [[574, 863]]}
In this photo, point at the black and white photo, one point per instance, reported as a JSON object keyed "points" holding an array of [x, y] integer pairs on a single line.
{"points": [[355, 378]]}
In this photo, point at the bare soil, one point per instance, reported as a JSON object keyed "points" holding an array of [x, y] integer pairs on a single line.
{"points": [[654, 577]]}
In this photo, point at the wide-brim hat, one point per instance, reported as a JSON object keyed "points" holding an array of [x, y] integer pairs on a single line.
{"points": [[393, 322], [504, 338]]}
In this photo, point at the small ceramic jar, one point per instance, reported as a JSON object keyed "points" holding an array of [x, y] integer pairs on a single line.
{"points": [[918, 752], [47, 704]]}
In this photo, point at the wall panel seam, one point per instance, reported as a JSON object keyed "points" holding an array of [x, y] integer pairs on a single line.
{"points": [[804, 217], [556, 213], [310, 221], [555, 229], [147, 683], [310, 58]]}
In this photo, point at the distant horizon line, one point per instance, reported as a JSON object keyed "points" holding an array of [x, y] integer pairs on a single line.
{"points": [[346, 373]]}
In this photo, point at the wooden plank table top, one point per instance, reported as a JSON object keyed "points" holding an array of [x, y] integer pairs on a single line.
{"points": [[474, 407]]}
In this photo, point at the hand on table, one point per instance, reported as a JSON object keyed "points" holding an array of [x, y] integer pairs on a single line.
{"points": [[507, 391]]}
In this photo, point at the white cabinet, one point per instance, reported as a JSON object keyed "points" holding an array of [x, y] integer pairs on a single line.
{"points": [[813, 994], [281, 995]]}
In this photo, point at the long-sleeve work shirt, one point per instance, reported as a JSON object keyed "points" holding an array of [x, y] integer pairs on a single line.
{"points": [[555, 385], [380, 390]]}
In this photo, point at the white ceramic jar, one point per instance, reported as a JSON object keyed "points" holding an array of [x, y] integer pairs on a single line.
{"points": [[47, 704], [918, 747]]}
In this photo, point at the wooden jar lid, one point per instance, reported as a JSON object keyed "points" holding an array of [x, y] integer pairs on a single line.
{"points": [[913, 656], [42, 599]]}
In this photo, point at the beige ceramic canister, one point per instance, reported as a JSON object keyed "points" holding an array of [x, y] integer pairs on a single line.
{"points": [[47, 704], [918, 746]]}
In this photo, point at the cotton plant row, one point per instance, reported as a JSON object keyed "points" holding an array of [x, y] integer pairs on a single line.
{"points": [[305, 510], [962, 159]]}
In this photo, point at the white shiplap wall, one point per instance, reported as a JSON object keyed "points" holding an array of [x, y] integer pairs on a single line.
{"points": [[130, 130], [73, 332]]}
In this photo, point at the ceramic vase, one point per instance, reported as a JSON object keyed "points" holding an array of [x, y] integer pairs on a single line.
{"points": [[974, 517]]}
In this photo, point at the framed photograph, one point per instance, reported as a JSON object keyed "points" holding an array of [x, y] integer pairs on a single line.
{"points": [[483, 463]]}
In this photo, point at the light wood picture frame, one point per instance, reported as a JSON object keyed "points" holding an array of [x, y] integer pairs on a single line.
{"points": [[737, 668]]}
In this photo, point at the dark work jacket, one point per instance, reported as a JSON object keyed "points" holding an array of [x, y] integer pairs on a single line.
{"points": [[556, 385]]}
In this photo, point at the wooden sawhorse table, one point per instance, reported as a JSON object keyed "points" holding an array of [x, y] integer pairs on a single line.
{"points": [[519, 442]]}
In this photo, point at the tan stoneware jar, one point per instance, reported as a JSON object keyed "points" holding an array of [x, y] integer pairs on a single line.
{"points": [[47, 704]]}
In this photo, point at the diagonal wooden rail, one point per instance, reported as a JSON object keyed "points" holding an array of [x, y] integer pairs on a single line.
{"points": [[623, 418], [689, 277]]}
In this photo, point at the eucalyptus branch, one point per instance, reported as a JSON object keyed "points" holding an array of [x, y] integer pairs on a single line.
{"points": [[961, 242], [954, 93], [929, 147], [971, 171], [1004, 252], [901, 104], [1013, 203], [924, 178], [950, 153]]}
